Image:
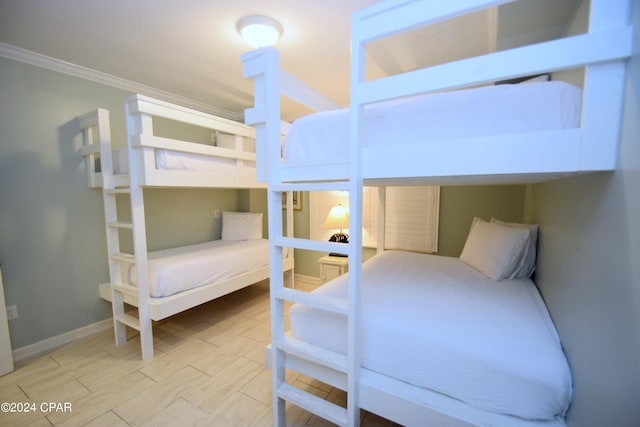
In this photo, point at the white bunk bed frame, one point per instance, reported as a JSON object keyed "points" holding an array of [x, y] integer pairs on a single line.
{"points": [[141, 145], [524, 157]]}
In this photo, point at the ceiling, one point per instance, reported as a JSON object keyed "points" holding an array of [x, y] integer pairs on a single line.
{"points": [[191, 48]]}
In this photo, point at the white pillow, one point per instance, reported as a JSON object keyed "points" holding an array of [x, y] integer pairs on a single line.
{"points": [[241, 225], [494, 249], [527, 264]]}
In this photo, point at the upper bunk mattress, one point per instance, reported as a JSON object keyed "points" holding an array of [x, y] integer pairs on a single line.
{"points": [[187, 267], [436, 323], [490, 110]]}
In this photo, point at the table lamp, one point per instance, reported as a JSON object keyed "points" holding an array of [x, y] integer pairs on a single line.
{"points": [[338, 218]]}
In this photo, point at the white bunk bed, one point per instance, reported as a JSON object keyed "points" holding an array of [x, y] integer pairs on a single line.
{"points": [[532, 154], [176, 279]]}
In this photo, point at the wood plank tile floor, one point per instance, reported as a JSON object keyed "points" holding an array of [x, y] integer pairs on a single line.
{"points": [[208, 370]]}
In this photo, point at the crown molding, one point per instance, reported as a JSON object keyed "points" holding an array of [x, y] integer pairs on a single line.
{"points": [[43, 61]]}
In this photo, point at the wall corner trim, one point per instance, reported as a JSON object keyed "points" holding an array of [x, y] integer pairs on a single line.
{"points": [[43, 61]]}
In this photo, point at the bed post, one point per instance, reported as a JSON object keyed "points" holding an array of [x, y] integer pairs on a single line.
{"points": [[262, 66], [139, 124], [603, 81], [355, 185]]}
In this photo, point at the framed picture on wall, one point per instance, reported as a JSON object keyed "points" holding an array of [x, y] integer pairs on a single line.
{"points": [[297, 200]]}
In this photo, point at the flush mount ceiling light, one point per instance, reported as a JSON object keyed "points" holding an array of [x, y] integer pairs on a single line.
{"points": [[259, 30]]}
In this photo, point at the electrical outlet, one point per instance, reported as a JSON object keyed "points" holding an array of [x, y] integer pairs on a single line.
{"points": [[12, 312], [216, 213]]}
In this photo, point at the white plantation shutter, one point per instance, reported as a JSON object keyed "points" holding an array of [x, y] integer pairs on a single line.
{"points": [[411, 222]]}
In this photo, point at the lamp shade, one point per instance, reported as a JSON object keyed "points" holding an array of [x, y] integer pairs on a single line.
{"points": [[338, 218], [259, 31]]}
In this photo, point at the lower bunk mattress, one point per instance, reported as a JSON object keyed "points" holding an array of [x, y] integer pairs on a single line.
{"points": [[187, 267], [437, 323]]}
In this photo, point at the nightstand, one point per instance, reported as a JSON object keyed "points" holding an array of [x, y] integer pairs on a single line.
{"points": [[332, 267]]}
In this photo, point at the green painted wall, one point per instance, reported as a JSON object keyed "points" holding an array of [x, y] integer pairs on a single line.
{"points": [[52, 237], [588, 271], [458, 206]]}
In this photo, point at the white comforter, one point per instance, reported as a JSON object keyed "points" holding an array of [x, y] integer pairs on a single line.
{"points": [[187, 267], [437, 323]]}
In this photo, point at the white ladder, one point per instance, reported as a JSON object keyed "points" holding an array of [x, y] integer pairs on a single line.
{"points": [[262, 66], [283, 347], [120, 289]]}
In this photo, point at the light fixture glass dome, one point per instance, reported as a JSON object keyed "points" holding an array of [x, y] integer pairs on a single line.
{"points": [[259, 30]]}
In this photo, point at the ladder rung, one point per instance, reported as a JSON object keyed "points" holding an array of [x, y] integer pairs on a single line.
{"points": [[128, 320], [312, 353], [316, 405], [123, 190], [125, 288], [117, 224], [331, 304], [312, 245], [312, 186], [120, 256]]}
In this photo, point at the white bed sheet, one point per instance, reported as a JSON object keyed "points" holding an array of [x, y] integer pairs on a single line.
{"points": [[187, 267], [490, 110], [437, 323], [176, 160]]}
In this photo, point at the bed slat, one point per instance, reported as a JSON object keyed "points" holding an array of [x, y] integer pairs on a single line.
{"points": [[388, 18], [189, 147], [334, 305], [126, 288], [295, 89], [140, 104], [314, 354], [124, 257], [127, 225], [604, 46], [128, 320], [313, 404], [312, 245]]}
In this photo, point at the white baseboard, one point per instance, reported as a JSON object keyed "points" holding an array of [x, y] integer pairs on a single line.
{"points": [[29, 351]]}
